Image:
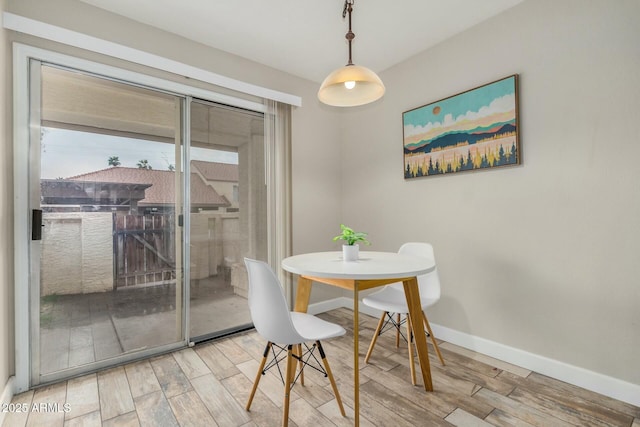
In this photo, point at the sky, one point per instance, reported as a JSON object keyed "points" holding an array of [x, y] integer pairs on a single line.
{"points": [[493, 98], [67, 153]]}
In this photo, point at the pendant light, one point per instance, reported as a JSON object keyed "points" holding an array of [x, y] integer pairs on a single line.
{"points": [[350, 85]]}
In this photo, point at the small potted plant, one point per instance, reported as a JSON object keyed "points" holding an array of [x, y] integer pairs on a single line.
{"points": [[351, 248]]}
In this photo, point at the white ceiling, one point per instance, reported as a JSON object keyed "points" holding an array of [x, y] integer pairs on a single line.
{"points": [[307, 37]]}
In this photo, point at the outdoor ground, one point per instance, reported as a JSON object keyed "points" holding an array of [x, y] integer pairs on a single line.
{"points": [[83, 328]]}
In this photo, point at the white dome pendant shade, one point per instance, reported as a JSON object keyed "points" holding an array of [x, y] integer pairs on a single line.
{"points": [[351, 85]]}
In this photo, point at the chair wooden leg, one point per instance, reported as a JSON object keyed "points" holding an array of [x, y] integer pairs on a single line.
{"points": [[300, 363], [331, 379], [258, 375], [289, 373], [375, 338], [412, 365], [433, 337], [398, 330]]}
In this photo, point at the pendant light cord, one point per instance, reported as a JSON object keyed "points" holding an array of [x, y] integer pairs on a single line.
{"points": [[348, 8]]}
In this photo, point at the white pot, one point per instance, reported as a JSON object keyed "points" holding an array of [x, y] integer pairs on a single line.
{"points": [[350, 252]]}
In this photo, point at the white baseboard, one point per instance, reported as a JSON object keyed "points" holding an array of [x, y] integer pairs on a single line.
{"points": [[590, 380], [332, 304], [5, 398], [593, 381]]}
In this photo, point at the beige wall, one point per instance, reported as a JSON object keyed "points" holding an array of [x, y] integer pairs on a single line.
{"points": [[6, 212], [542, 257]]}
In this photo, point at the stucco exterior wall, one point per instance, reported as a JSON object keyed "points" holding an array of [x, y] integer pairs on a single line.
{"points": [[226, 189], [214, 243], [77, 253], [77, 250]]}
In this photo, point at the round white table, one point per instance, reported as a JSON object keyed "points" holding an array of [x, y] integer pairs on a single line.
{"points": [[372, 269], [369, 266]]}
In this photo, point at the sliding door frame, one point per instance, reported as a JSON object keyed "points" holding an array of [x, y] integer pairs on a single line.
{"points": [[22, 55]]}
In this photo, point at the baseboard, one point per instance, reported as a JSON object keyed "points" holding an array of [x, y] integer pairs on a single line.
{"points": [[589, 380], [7, 395], [332, 304]]}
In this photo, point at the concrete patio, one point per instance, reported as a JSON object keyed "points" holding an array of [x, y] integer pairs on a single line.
{"points": [[84, 328]]}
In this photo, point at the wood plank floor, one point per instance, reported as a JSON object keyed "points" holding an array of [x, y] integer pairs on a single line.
{"points": [[208, 385]]}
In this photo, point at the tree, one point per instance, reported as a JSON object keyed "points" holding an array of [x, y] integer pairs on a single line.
{"points": [[468, 164], [514, 153], [114, 161], [144, 164], [431, 170], [171, 168], [438, 168], [500, 158]]}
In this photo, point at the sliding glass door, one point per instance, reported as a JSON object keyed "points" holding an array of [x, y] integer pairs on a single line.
{"points": [[106, 200], [228, 217], [136, 204]]}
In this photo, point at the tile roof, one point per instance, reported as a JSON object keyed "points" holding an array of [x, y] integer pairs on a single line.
{"points": [[214, 171], [161, 191]]}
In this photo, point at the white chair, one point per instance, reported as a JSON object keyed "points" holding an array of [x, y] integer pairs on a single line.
{"points": [[391, 299], [286, 331]]}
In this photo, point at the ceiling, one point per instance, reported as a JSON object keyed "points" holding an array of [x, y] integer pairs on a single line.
{"points": [[307, 37]]}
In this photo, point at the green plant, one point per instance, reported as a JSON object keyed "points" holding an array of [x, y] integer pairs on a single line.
{"points": [[350, 236]]}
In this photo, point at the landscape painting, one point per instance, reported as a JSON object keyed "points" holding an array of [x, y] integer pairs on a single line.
{"points": [[476, 129]]}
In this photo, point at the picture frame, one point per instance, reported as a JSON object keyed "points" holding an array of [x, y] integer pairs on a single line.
{"points": [[473, 130]]}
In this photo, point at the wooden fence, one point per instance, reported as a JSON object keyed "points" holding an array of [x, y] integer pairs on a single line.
{"points": [[144, 249]]}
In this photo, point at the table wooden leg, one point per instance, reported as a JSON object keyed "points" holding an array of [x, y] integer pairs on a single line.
{"points": [[412, 365], [412, 294], [302, 294], [356, 356]]}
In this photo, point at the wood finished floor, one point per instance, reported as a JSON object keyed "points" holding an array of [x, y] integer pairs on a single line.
{"points": [[208, 385]]}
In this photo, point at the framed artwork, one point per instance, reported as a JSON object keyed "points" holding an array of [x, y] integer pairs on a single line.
{"points": [[475, 129]]}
